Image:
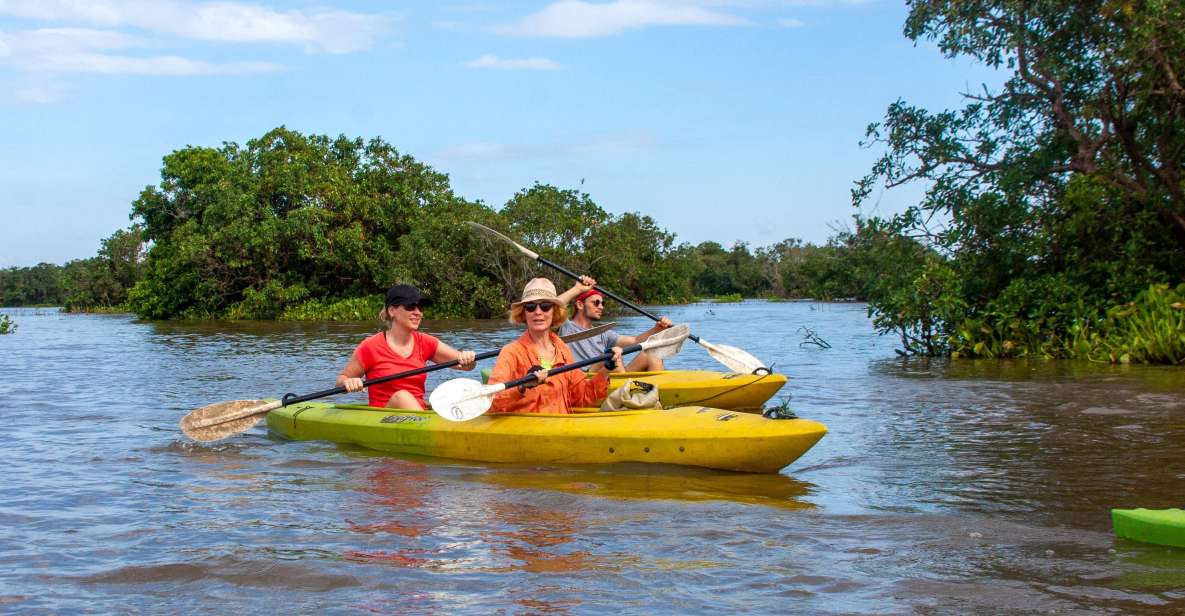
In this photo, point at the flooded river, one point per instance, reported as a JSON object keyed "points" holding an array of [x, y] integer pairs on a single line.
{"points": [[965, 487]]}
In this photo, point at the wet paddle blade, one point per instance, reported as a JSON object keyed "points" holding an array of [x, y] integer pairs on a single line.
{"points": [[222, 419], [462, 399], [734, 359], [667, 342]]}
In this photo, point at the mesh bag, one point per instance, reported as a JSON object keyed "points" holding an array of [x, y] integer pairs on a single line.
{"points": [[632, 395]]}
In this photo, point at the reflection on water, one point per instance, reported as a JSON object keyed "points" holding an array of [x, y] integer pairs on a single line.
{"points": [[656, 482], [942, 487]]}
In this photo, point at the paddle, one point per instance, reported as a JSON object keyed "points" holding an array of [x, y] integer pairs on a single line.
{"points": [[736, 360], [464, 399], [222, 419]]}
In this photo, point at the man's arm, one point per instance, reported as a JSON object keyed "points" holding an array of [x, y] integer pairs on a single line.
{"points": [[585, 283], [659, 325]]}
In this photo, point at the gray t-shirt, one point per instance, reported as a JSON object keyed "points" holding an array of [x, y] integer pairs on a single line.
{"points": [[589, 347]]}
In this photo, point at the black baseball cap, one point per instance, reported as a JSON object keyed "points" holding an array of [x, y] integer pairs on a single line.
{"points": [[405, 294]]}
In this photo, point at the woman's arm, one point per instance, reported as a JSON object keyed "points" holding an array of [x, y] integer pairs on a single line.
{"points": [[509, 366], [351, 376], [445, 353], [587, 391]]}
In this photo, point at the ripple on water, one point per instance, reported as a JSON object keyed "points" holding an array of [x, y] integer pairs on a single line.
{"points": [[944, 487]]}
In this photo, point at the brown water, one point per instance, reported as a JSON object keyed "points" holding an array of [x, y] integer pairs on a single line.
{"points": [[979, 487]]}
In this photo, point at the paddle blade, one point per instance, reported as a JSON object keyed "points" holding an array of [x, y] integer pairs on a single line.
{"points": [[204, 424], [667, 342], [494, 234], [462, 399], [734, 359]]}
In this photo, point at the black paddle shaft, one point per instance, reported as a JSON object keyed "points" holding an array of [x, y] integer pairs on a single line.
{"points": [[573, 275], [606, 356], [293, 399]]}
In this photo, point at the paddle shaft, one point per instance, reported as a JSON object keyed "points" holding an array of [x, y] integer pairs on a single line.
{"points": [[291, 399], [633, 348], [640, 310], [383, 379]]}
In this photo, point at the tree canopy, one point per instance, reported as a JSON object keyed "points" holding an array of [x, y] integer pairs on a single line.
{"points": [[297, 226], [1058, 194]]}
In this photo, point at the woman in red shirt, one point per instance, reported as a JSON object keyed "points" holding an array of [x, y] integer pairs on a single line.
{"points": [[399, 348]]}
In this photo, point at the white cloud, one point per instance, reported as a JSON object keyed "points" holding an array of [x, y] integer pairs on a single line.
{"points": [[491, 61], [575, 18], [81, 50], [321, 30], [790, 23], [61, 40], [128, 65]]}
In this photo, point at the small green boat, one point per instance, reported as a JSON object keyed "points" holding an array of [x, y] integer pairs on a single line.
{"points": [[1158, 526]]}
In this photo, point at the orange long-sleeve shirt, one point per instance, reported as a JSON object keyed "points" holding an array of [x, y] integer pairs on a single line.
{"points": [[559, 394]]}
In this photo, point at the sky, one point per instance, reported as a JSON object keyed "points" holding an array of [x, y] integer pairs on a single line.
{"points": [[723, 120]]}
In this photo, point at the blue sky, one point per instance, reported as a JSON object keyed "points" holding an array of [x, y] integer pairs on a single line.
{"points": [[724, 120]]}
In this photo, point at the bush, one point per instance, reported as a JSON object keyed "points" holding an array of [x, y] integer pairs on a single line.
{"points": [[330, 309]]}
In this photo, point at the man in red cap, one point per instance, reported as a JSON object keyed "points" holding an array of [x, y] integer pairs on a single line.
{"points": [[590, 307]]}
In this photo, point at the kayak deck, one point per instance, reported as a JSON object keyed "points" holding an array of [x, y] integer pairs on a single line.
{"points": [[705, 387], [689, 436], [1158, 526]]}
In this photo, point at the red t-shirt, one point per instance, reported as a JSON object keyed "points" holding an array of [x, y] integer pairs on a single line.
{"points": [[379, 360]]}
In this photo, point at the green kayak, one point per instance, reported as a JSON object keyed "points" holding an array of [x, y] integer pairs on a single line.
{"points": [[1159, 526]]}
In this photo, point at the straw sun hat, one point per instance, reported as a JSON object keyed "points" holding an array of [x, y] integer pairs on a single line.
{"points": [[539, 290]]}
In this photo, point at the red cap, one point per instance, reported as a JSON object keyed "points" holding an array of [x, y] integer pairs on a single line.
{"points": [[587, 294]]}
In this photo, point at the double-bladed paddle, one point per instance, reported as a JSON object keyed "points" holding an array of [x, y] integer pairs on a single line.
{"points": [[736, 360], [222, 419], [464, 399]]}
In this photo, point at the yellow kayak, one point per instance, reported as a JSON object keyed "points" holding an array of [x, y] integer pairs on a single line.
{"points": [[745, 392], [689, 436]]}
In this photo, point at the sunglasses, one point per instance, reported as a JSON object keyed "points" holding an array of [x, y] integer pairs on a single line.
{"points": [[410, 307], [544, 306], [596, 302]]}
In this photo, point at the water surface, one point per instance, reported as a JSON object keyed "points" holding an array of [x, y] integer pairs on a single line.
{"points": [[973, 486]]}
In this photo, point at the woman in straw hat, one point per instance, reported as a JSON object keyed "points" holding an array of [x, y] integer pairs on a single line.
{"points": [[398, 348], [538, 350]]}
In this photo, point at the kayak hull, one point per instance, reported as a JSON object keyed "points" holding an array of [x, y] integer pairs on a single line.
{"points": [[742, 392], [1158, 526], [690, 436]]}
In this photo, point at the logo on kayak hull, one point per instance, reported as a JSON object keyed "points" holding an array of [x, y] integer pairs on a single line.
{"points": [[401, 419]]}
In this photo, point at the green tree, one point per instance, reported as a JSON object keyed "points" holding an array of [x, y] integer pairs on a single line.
{"points": [[104, 280], [729, 272], [629, 253], [1061, 192], [246, 231], [39, 285]]}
